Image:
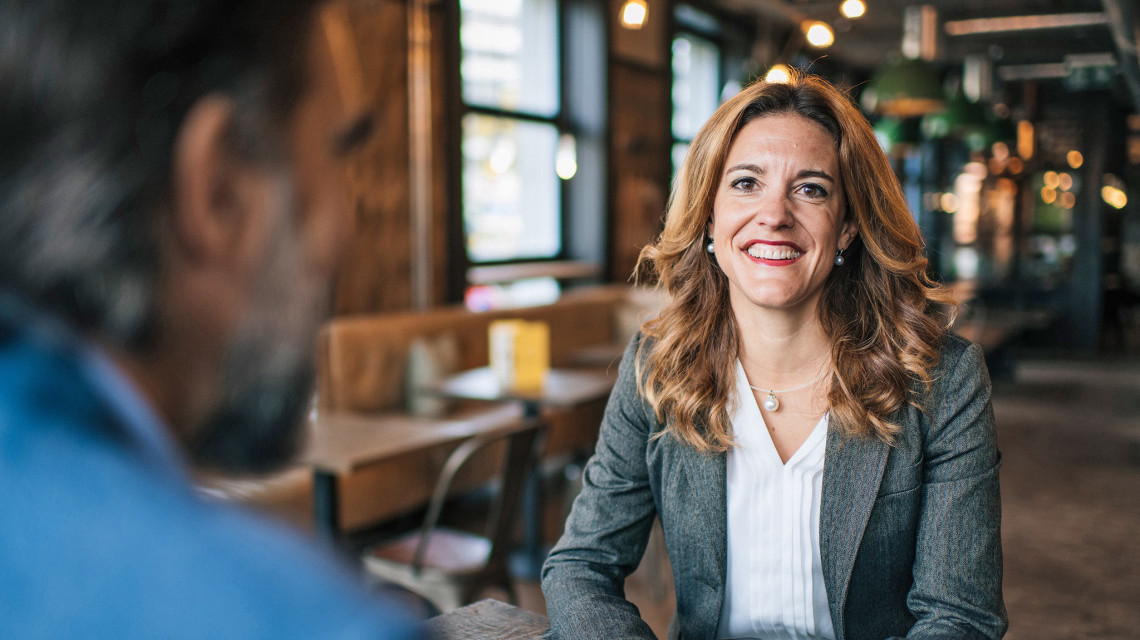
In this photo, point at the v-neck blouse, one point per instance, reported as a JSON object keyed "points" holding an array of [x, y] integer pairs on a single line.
{"points": [[774, 584]]}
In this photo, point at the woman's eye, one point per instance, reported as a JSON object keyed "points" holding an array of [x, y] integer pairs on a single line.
{"points": [[812, 190], [746, 184]]}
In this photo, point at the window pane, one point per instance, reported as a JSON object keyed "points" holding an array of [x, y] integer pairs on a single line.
{"points": [[696, 84], [511, 207], [680, 150], [510, 55]]}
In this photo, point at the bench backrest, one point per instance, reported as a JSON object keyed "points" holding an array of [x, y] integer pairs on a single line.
{"points": [[362, 359]]}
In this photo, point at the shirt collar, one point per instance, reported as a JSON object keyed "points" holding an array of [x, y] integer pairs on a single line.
{"points": [[133, 413]]}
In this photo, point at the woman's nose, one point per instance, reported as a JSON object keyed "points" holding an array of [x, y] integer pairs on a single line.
{"points": [[774, 211]]}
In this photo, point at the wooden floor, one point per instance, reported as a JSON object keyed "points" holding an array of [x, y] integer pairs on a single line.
{"points": [[1070, 435]]}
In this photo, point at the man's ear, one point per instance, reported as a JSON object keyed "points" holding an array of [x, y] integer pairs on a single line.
{"points": [[211, 187]]}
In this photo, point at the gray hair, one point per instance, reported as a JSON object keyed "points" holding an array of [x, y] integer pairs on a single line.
{"points": [[91, 99]]}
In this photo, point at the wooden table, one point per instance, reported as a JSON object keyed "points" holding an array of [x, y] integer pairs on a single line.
{"points": [[561, 388], [598, 356], [342, 444], [488, 620]]}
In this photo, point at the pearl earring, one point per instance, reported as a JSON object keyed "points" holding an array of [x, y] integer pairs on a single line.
{"points": [[709, 247], [839, 259]]}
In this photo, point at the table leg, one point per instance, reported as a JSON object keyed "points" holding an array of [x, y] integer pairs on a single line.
{"points": [[325, 506], [527, 561]]}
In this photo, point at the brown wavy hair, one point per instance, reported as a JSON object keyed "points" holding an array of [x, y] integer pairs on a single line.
{"points": [[885, 316]]}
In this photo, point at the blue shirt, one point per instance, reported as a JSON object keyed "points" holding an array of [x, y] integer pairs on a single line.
{"points": [[102, 536]]}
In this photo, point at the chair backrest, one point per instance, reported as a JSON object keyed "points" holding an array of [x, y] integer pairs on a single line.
{"points": [[523, 444]]}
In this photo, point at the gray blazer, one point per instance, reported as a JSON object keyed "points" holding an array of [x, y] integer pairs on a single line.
{"points": [[909, 534]]}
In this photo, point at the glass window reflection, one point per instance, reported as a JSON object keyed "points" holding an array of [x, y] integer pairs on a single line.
{"points": [[696, 84], [510, 55], [510, 189]]}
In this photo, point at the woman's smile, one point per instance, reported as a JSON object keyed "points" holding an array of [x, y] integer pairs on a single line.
{"points": [[775, 254]]}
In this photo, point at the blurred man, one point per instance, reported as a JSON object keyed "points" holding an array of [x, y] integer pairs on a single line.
{"points": [[172, 203]]}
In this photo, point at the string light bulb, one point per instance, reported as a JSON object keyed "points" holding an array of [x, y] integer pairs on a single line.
{"points": [[778, 74], [852, 9], [634, 13], [1115, 198], [818, 34]]}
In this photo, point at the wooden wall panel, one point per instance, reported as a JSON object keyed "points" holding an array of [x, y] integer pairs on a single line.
{"points": [[377, 269], [442, 147], [640, 104], [639, 160], [647, 46]]}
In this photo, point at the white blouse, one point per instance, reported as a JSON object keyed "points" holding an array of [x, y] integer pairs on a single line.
{"points": [[774, 584]]}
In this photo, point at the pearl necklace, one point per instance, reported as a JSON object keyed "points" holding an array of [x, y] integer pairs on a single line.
{"points": [[771, 403]]}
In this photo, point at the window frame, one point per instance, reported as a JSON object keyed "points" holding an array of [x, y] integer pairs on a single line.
{"points": [[461, 262]]}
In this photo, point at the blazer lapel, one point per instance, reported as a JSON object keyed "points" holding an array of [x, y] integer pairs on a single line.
{"points": [[852, 471], [712, 472], [696, 495]]}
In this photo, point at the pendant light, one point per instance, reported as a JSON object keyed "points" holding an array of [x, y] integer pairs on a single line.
{"points": [[634, 13], [907, 87]]}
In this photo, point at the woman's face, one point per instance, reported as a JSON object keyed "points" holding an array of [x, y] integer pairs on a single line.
{"points": [[778, 215]]}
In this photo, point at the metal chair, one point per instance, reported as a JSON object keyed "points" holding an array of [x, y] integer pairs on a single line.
{"points": [[449, 567]]}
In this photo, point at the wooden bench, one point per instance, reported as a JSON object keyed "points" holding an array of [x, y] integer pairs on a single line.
{"points": [[364, 363], [363, 367]]}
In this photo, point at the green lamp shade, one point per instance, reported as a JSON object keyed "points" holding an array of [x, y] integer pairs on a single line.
{"points": [[895, 134], [905, 88], [960, 118]]}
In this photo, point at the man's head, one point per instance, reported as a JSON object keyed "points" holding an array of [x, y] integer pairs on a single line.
{"points": [[171, 186]]}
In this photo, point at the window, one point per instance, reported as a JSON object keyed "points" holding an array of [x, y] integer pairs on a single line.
{"points": [[510, 74], [696, 78]]}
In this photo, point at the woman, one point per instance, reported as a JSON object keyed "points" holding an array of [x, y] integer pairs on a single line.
{"points": [[820, 451]]}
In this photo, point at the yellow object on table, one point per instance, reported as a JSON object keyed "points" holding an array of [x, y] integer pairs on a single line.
{"points": [[520, 353]]}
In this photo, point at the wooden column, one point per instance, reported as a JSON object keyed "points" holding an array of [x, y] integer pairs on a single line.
{"points": [[396, 258], [640, 82]]}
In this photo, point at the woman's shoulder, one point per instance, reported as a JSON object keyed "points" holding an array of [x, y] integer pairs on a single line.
{"points": [[633, 361], [957, 356], [961, 366], [637, 349]]}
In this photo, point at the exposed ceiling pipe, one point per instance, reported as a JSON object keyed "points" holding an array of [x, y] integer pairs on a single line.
{"points": [[1123, 23], [1056, 70]]}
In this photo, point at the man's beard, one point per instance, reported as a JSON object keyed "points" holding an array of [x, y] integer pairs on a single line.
{"points": [[267, 371]]}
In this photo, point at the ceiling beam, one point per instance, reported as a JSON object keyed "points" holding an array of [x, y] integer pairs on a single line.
{"points": [[975, 26]]}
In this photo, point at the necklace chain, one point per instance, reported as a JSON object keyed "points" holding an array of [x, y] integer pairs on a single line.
{"points": [[774, 391]]}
